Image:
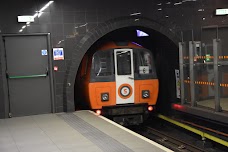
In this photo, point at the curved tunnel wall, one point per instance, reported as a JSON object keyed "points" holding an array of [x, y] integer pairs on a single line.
{"points": [[95, 34]]}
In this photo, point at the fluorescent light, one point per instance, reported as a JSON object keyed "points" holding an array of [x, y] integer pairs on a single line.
{"points": [[159, 4], [35, 15], [138, 13], [136, 19], [40, 14], [168, 3], [46, 6], [20, 30], [159, 9]]}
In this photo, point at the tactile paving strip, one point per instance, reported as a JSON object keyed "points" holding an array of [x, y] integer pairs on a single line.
{"points": [[99, 138]]}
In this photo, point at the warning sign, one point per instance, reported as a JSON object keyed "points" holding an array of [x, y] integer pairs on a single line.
{"points": [[58, 54], [43, 52]]}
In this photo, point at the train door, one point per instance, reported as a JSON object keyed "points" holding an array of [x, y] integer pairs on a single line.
{"points": [[124, 74]]}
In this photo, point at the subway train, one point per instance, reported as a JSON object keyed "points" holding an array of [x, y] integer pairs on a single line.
{"points": [[118, 80]]}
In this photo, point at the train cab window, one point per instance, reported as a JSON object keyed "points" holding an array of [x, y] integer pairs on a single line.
{"points": [[123, 62], [102, 63]]}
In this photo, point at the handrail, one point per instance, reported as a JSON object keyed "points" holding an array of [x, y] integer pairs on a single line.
{"points": [[27, 76]]}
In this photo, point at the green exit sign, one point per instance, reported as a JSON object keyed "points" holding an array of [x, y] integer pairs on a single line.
{"points": [[223, 11]]}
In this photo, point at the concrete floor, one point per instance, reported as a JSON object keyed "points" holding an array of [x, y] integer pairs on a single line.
{"points": [[80, 131]]}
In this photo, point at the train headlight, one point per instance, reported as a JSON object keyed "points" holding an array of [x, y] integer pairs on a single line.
{"points": [[145, 94], [105, 97]]}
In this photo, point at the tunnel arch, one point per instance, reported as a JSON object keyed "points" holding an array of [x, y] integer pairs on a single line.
{"points": [[94, 35]]}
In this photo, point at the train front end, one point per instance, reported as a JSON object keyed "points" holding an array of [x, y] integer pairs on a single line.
{"points": [[123, 83]]}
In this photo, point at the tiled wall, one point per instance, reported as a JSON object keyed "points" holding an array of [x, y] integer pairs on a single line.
{"points": [[68, 21]]}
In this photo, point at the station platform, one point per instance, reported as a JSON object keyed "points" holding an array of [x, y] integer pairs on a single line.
{"points": [[81, 131]]}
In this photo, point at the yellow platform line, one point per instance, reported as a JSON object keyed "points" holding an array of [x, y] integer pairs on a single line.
{"points": [[196, 131]]}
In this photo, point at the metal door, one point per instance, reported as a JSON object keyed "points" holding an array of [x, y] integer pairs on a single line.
{"points": [[124, 73], [28, 76]]}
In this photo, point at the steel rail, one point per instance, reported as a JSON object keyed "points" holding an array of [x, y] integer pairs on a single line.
{"points": [[171, 142]]}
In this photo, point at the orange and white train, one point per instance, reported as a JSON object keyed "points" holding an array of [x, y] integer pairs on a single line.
{"points": [[119, 80]]}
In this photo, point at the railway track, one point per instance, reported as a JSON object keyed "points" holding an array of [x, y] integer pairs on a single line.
{"points": [[182, 138], [170, 142]]}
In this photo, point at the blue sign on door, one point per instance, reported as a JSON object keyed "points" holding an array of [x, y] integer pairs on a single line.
{"points": [[43, 52]]}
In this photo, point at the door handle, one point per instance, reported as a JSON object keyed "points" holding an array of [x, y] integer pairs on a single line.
{"points": [[28, 76], [131, 78]]}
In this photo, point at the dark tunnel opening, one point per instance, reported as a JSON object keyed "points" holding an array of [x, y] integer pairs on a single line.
{"points": [[166, 61]]}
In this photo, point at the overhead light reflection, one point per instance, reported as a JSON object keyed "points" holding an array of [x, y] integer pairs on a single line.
{"points": [[20, 30], [23, 26], [83, 25], [61, 41], [133, 14], [178, 3], [200, 10]]}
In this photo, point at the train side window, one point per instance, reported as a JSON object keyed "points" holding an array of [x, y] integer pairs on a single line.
{"points": [[102, 63]]}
